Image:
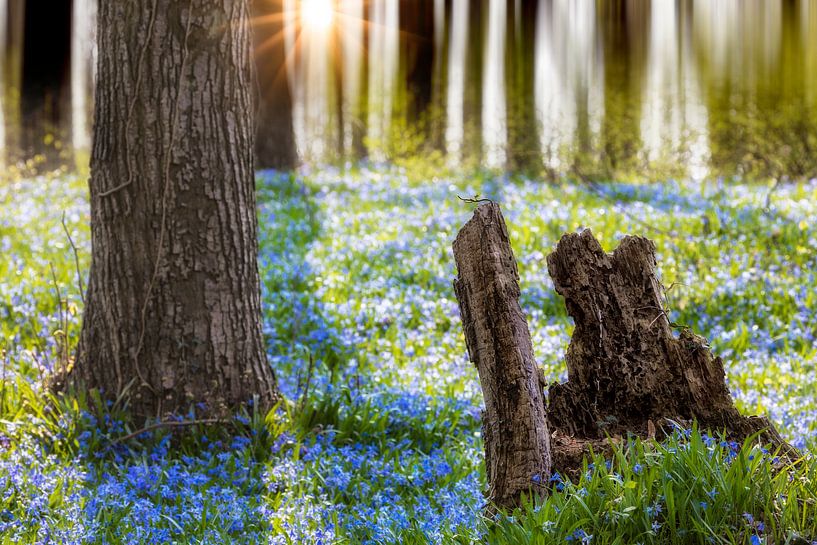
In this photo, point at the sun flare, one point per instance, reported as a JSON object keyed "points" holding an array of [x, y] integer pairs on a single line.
{"points": [[317, 15]]}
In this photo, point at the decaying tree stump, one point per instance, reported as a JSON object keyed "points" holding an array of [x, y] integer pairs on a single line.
{"points": [[517, 447], [627, 372]]}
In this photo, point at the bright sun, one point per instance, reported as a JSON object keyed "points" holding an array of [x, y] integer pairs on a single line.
{"points": [[317, 14]]}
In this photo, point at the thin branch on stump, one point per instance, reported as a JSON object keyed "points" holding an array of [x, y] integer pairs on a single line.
{"points": [[515, 432], [627, 372]]}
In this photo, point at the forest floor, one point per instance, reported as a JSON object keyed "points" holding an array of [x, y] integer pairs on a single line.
{"points": [[380, 441]]}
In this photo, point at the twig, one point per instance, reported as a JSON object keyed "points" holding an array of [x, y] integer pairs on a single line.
{"points": [[3, 379], [59, 293], [132, 106], [666, 296], [663, 313], [40, 366], [61, 343], [114, 189], [308, 380], [474, 199], [169, 424], [76, 258], [672, 285]]}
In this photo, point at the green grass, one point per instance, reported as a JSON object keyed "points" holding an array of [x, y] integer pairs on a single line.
{"points": [[689, 489]]}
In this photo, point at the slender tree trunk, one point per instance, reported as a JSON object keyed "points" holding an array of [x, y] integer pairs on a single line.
{"points": [[360, 128], [625, 28], [472, 101], [13, 77], [45, 92], [172, 311], [3, 60], [417, 57], [336, 61], [523, 130], [275, 137], [442, 31], [83, 25], [515, 431]]}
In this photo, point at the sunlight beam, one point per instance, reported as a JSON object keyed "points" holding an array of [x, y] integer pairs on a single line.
{"points": [[317, 15]]}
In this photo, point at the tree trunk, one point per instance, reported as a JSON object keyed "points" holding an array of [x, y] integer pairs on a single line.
{"points": [[360, 122], [336, 62], [627, 372], [417, 58], [523, 150], [13, 79], [515, 432], [275, 137], [472, 144], [45, 91], [83, 25], [439, 77], [625, 28], [172, 312]]}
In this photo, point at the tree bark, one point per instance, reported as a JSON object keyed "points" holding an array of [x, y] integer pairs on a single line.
{"points": [[275, 137], [627, 372], [515, 432], [172, 314]]}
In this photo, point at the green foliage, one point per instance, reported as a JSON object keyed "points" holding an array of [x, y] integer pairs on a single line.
{"points": [[692, 488]]}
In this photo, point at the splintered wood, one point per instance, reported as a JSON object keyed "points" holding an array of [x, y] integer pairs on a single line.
{"points": [[628, 373], [517, 451]]}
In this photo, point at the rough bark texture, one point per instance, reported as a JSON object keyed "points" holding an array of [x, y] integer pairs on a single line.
{"points": [[627, 372], [173, 306], [515, 432], [275, 137]]}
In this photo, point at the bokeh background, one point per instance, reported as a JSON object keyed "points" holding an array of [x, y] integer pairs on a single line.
{"points": [[612, 88]]}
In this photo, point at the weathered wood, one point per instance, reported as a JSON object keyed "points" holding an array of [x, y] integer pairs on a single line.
{"points": [[627, 371], [517, 446]]}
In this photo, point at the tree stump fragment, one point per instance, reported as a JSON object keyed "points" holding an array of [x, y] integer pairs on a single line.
{"points": [[627, 371], [515, 432]]}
